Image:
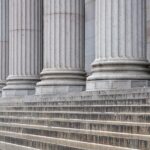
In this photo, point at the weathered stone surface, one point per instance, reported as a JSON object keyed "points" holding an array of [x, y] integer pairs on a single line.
{"points": [[4, 42], [148, 28], [91, 120], [63, 47], [106, 120], [120, 44], [25, 47], [90, 32]]}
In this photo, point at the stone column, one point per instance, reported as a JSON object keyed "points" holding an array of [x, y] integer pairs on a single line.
{"points": [[120, 60], [25, 36], [63, 47], [148, 28], [4, 38]]}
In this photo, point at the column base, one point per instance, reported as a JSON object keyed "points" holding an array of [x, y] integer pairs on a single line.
{"points": [[17, 92], [115, 84], [58, 89], [118, 74], [19, 87], [60, 81], [2, 85]]}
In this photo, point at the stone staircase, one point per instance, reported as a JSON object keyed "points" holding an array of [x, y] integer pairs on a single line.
{"points": [[105, 120]]}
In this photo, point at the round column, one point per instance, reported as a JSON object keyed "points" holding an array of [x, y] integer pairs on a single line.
{"points": [[120, 60], [63, 47], [4, 44], [25, 36]]}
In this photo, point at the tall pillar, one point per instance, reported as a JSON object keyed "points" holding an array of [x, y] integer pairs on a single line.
{"points": [[25, 36], [63, 47], [4, 38], [120, 60]]}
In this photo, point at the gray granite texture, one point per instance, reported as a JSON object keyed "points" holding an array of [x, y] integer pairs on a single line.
{"points": [[100, 120]]}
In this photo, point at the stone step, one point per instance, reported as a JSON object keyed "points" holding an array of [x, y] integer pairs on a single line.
{"points": [[78, 99], [110, 116], [99, 101], [45, 143], [113, 126], [94, 118], [87, 101], [83, 108], [80, 103], [91, 136], [10, 146], [118, 91], [30, 144]]}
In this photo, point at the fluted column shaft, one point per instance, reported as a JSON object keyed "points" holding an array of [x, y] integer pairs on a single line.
{"points": [[25, 35], [120, 43], [63, 47], [4, 44]]}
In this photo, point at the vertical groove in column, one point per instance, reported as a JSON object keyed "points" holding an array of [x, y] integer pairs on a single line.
{"points": [[128, 29], [122, 35], [144, 26], [119, 29], [64, 17], [120, 45], [25, 45], [139, 28], [108, 31], [4, 41], [97, 27], [27, 30], [63, 46], [134, 28]]}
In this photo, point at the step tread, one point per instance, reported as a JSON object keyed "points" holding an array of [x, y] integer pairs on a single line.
{"points": [[106, 122], [85, 131], [6, 146], [77, 112], [74, 106], [25, 101], [63, 142]]}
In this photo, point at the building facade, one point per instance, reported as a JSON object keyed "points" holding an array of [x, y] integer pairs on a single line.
{"points": [[60, 46]]}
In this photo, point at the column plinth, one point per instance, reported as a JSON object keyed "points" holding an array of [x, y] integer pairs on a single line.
{"points": [[25, 36], [120, 59], [63, 47]]}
